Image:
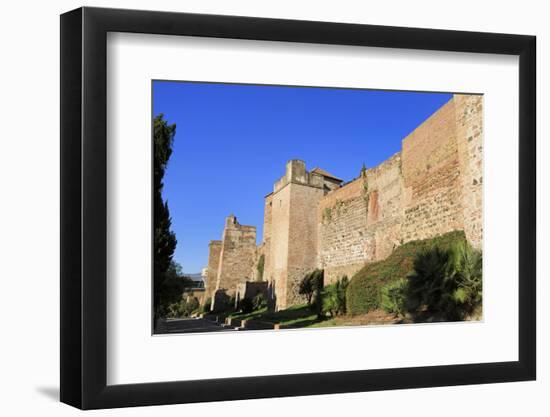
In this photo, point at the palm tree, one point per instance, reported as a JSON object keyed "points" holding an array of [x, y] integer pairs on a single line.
{"points": [[446, 284]]}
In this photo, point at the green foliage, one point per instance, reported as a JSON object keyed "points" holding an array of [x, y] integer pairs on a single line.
{"points": [[341, 289], [327, 214], [311, 285], [334, 297], [231, 303], [468, 267], [259, 302], [446, 284], [164, 242], [293, 317], [207, 305], [394, 297], [175, 310], [330, 300], [260, 267], [223, 302], [246, 305], [192, 305], [364, 291], [182, 308], [306, 288], [318, 279], [430, 283], [171, 288]]}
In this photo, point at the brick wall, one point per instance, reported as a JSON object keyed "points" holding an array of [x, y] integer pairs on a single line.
{"points": [[302, 247], [292, 231], [361, 222], [469, 134], [431, 176], [343, 235], [431, 187], [276, 274], [266, 241]]}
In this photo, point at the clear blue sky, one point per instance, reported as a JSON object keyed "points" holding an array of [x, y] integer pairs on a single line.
{"points": [[232, 142]]}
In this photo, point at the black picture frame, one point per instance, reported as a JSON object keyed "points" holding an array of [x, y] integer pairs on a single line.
{"points": [[84, 207]]}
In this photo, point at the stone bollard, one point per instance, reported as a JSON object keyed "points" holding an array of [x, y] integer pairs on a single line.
{"points": [[232, 321]]}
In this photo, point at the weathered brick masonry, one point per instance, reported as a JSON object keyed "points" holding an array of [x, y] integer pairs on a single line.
{"points": [[236, 257], [211, 278], [469, 136], [432, 186], [292, 248]]}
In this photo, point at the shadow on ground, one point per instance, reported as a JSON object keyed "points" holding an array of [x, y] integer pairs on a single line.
{"points": [[190, 325], [50, 392]]}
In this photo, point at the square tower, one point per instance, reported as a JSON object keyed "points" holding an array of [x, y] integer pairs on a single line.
{"points": [[293, 230]]}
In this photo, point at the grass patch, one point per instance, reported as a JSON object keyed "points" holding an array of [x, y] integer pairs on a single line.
{"points": [[297, 316], [248, 316], [375, 317], [364, 291]]}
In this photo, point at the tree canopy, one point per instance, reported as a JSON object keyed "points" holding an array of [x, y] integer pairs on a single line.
{"points": [[164, 238]]}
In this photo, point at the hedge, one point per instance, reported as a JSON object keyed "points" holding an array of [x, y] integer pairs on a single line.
{"points": [[364, 290]]}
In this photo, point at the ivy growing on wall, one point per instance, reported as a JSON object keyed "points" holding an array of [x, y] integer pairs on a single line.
{"points": [[366, 195], [260, 267], [327, 214]]}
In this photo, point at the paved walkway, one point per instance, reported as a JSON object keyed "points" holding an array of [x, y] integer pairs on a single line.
{"points": [[192, 325]]}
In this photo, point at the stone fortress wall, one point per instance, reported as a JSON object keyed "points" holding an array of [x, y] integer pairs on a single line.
{"points": [[313, 220], [211, 277], [237, 256]]}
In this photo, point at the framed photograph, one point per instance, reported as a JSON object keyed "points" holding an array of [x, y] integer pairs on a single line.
{"points": [[257, 208]]}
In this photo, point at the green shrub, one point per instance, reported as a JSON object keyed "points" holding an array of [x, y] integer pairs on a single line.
{"points": [[334, 297], [260, 267], [246, 305], [446, 284], [311, 285], [364, 290], [342, 287], [468, 267], [191, 306], [305, 287], [207, 305], [232, 303], [170, 290], [394, 297], [175, 310], [259, 301], [183, 308], [318, 279], [330, 300], [223, 302]]}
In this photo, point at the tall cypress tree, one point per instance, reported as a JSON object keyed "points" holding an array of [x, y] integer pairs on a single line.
{"points": [[164, 239]]}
